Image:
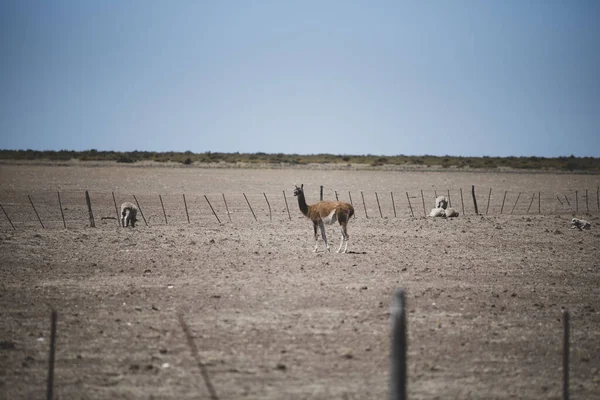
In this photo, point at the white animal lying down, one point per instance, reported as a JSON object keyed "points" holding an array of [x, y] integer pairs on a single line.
{"points": [[580, 224], [441, 202], [128, 214], [440, 212]]}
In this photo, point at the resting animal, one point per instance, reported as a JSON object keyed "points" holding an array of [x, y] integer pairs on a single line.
{"points": [[580, 224]]}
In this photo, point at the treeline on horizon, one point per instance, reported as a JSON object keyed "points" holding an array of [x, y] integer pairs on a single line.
{"points": [[565, 163]]}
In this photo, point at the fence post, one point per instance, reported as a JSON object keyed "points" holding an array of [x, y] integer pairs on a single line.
{"points": [[561, 203], [462, 203], [449, 199], [488, 203], [378, 205], [576, 201], [336, 196], [116, 209], [9, 221], [226, 208], [398, 370], [186, 210], [50, 382], [513, 209], [474, 199], [140, 208], [393, 204], [410, 205], [213, 210], [567, 199], [423, 199], [587, 206], [270, 214], [36, 213], [89, 205], [598, 198], [364, 204], [503, 199], [163, 208], [321, 193], [531, 202], [539, 202], [286, 206], [61, 210], [565, 355], [250, 206], [350, 197]]}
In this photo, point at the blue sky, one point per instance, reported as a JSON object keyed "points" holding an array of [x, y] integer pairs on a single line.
{"points": [[470, 78]]}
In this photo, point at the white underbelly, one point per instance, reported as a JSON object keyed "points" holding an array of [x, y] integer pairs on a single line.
{"points": [[330, 219]]}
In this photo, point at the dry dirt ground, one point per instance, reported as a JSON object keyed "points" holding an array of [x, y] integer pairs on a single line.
{"points": [[270, 319]]}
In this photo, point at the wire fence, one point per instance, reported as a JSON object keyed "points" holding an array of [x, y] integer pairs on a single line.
{"points": [[71, 209]]}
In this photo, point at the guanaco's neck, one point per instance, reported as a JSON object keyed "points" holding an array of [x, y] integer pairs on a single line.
{"points": [[302, 204]]}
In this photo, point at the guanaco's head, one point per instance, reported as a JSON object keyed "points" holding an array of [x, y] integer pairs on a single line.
{"points": [[299, 190]]}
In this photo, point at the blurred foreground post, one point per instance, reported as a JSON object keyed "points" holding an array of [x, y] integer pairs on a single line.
{"points": [[50, 383], [398, 352]]}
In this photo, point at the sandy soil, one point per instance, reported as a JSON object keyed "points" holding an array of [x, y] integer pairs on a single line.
{"points": [[269, 318]]}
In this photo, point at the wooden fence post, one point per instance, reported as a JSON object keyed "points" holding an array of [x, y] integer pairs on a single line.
{"points": [[393, 204], [488, 202], [587, 206], [336, 196], [226, 208], [350, 197], [503, 200], [474, 199], [567, 199], [423, 199], [268, 205], [9, 221], [321, 193], [50, 382], [163, 208], [250, 207], [513, 209], [36, 213], [286, 206], [565, 355], [364, 204], [116, 209], [539, 202], [213, 210], [140, 208], [398, 370], [186, 209], [61, 210], [576, 201], [410, 205], [462, 203], [449, 199], [531, 202], [378, 205], [89, 205]]}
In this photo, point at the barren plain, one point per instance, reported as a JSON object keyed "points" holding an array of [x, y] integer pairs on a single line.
{"points": [[270, 319]]}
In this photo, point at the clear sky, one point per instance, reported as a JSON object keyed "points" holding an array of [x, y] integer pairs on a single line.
{"points": [[447, 77]]}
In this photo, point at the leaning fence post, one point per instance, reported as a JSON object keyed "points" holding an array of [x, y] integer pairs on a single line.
{"points": [[250, 206], [226, 208], [213, 210], [539, 202], [140, 208], [350, 197], [474, 199], [513, 209], [186, 210], [531, 202], [364, 204], [565, 355], [576, 201], [50, 383], [503, 200], [36, 213], [393, 204], [410, 205], [270, 214], [89, 205], [488, 203], [378, 205], [9, 221], [163, 208], [423, 199], [61, 210], [462, 202], [449, 199], [116, 209], [336, 196], [286, 206], [398, 370], [561, 203]]}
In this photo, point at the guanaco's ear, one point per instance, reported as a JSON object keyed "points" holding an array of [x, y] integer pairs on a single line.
{"points": [[302, 186]]}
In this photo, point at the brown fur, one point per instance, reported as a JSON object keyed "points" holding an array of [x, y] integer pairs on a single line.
{"points": [[319, 213]]}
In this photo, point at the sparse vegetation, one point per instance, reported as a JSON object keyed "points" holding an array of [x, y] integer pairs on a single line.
{"points": [[564, 163]]}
